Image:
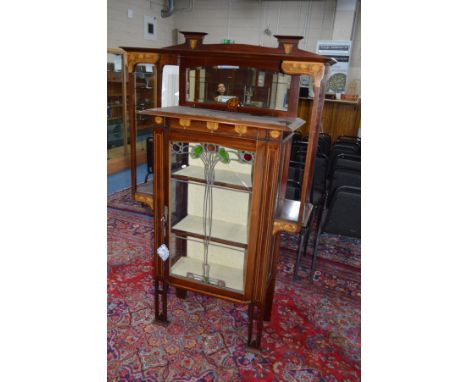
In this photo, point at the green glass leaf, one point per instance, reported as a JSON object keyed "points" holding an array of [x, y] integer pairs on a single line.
{"points": [[223, 155], [196, 151]]}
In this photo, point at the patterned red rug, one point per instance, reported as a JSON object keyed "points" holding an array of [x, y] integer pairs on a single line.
{"points": [[314, 333]]}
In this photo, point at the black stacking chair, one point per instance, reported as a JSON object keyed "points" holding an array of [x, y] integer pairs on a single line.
{"points": [[298, 151], [317, 197], [354, 142], [348, 147], [344, 149], [347, 138], [340, 150], [349, 141], [301, 156], [342, 217], [149, 157], [296, 138], [324, 144], [320, 179], [293, 190], [296, 171], [295, 175], [348, 161], [342, 177]]}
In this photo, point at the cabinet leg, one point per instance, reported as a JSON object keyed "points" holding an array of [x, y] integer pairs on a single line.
{"points": [[299, 252], [269, 300], [256, 314], [181, 293], [160, 303]]}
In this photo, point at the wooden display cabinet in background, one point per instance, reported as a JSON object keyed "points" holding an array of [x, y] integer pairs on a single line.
{"points": [[145, 91], [119, 111], [221, 168], [118, 139]]}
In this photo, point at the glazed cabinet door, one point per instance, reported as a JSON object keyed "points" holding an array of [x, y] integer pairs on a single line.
{"points": [[210, 189]]}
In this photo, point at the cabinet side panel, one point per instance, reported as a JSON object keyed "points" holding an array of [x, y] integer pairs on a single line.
{"points": [[264, 199]]}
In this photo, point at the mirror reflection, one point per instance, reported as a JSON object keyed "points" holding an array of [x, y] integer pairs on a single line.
{"points": [[253, 87]]}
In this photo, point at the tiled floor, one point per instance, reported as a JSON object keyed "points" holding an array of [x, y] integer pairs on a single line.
{"points": [[121, 180]]}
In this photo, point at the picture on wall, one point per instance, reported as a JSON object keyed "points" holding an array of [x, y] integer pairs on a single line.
{"points": [[340, 51]]}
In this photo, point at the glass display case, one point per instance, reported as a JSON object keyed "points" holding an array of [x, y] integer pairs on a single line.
{"points": [[118, 134], [220, 168], [145, 90]]}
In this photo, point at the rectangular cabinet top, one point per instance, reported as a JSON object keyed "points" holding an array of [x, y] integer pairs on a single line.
{"points": [[202, 114]]}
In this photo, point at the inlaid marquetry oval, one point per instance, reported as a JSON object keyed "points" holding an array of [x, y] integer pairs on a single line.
{"points": [[275, 134], [185, 122], [212, 126], [240, 129], [158, 120]]}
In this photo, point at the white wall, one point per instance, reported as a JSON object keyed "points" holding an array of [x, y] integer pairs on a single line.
{"points": [[355, 64], [347, 26], [124, 31], [344, 15], [243, 21]]}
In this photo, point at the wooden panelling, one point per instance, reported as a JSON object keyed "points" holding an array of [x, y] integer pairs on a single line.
{"points": [[123, 162], [338, 117]]}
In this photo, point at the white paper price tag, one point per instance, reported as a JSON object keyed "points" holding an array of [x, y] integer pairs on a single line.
{"points": [[163, 252]]}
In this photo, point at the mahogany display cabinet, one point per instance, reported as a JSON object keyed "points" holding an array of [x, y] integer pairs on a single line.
{"points": [[220, 168]]}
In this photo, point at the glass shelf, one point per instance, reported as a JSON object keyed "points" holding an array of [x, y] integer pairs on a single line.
{"points": [[232, 277], [226, 265], [222, 231], [223, 178]]}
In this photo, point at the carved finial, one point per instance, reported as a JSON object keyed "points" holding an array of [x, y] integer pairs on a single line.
{"points": [[288, 43], [194, 39]]}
